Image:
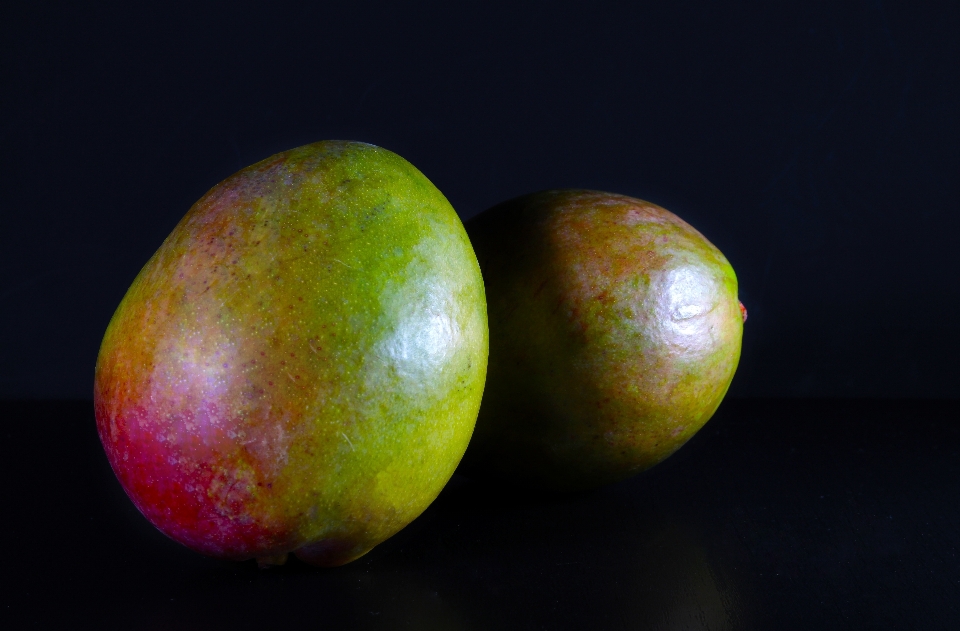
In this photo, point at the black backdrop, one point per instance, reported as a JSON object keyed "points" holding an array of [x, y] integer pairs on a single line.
{"points": [[815, 143]]}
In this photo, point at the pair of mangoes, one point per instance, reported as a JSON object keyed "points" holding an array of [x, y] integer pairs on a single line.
{"points": [[300, 365]]}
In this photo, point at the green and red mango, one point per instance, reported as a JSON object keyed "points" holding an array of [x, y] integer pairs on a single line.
{"points": [[615, 332], [300, 365]]}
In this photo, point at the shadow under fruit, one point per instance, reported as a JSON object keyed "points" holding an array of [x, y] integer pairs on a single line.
{"points": [[615, 332], [299, 366]]}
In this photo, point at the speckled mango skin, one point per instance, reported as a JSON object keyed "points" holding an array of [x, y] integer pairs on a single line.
{"points": [[299, 366], [615, 332]]}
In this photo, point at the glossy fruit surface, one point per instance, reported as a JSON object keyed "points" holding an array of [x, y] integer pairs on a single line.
{"points": [[615, 332], [300, 365]]}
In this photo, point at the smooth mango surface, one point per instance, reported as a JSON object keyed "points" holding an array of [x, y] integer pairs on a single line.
{"points": [[615, 332], [300, 365]]}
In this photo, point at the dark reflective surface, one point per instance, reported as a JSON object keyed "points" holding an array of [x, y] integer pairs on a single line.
{"points": [[779, 514]]}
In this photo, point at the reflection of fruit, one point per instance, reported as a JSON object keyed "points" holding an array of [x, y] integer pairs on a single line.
{"points": [[299, 366], [615, 332], [622, 558]]}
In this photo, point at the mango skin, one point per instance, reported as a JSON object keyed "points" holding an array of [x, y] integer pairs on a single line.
{"points": [[300, 365], [615, 332]]}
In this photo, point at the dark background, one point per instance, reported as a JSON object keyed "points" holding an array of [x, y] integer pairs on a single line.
{"points": [[816, 144]]}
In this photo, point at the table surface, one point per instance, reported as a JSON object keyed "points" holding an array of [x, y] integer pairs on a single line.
{"points": [[779, 514]]}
